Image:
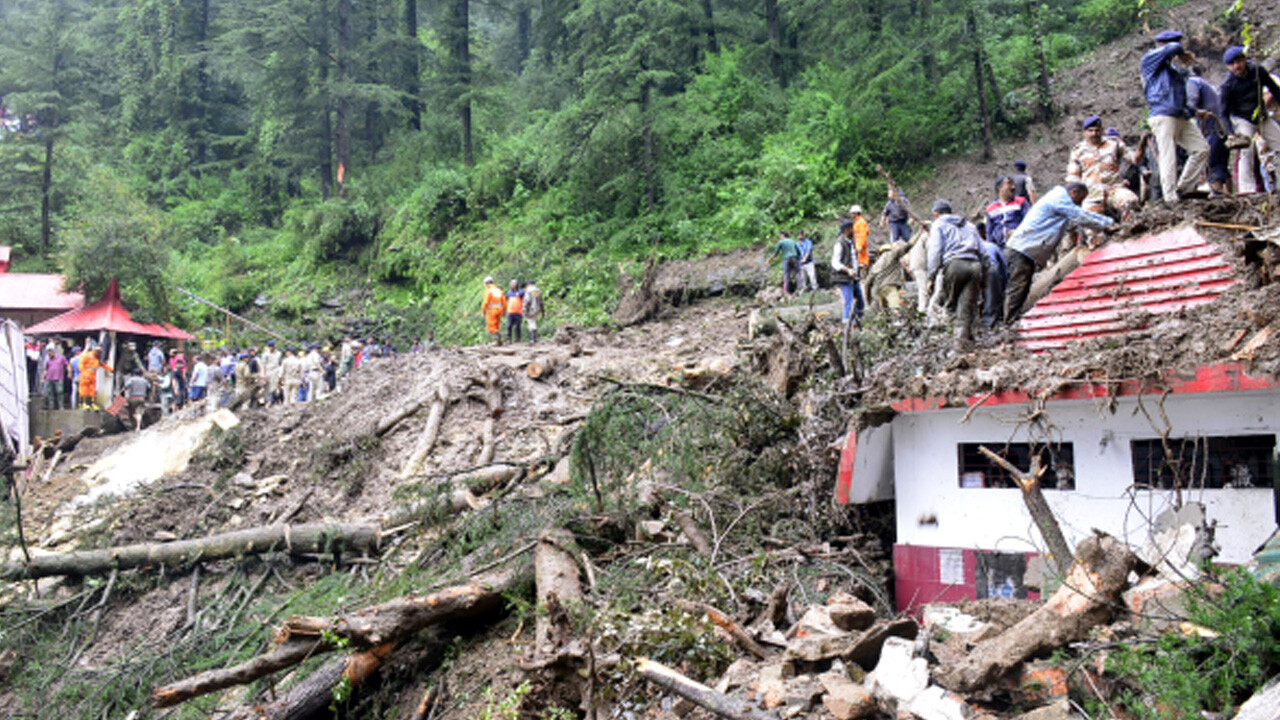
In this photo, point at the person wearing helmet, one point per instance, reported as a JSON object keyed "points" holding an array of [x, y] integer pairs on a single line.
{"points": [[494, 306]]}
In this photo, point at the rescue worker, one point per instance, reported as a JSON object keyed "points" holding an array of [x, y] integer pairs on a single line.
{"points": [[955, 250], [291, 375], [887, 276], [790, 253], [1165, 87], [844, 272], [1034, 242], [90, 361], [271, 360], [1241, 95], [515, 311], [313, 369], [135, 392], [861, 238], [492, 308], [533, 309]]}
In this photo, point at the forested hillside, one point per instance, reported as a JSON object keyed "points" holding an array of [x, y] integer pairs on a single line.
{"points": [[281, 155]]}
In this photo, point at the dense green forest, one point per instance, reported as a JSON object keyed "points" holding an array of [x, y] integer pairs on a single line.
{"points": [[389, 153]]}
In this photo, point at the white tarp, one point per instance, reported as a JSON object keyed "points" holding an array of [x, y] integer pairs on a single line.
{"points": [[14, 388]]}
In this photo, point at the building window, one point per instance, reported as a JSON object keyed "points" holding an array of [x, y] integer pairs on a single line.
{"points": [[1228, 461], [1058, 460]]}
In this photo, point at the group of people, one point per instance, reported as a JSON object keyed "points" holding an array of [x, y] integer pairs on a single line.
{"points": [[174, 378], [522, 307], [980, 268]]}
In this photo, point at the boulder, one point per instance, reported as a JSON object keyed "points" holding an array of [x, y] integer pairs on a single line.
{"points": [[1264, 705], [937, 703], [850, 613], [845, 699], [862, 648], [899, 676]]}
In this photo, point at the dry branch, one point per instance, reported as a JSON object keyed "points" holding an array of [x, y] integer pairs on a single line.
{"points": [[1029, 483], [1086, 599], [492, 399], [287, 655], [726, 623], [387, 424], [697, 693], [294, 539]]}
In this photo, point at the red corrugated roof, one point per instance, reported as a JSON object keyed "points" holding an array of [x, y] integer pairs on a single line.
{"points": [[29, 291], [108, 313], [1156, 274]]}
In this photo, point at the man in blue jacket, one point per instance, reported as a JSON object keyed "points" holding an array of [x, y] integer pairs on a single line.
{"points": [[1165, 87], [1034, 242], [1241, 103]]}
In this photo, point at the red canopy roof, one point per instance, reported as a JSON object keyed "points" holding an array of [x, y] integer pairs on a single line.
{"points": [[108, 313], [1157, 274]]}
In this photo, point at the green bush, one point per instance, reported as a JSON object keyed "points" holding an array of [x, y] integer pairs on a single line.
{"points": [[1181, 675]]}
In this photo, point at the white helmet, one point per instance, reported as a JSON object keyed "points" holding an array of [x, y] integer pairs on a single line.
{"points": [[855, 210]]}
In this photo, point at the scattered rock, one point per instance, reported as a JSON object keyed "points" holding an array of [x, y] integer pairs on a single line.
{"points": [[899, 676], [845, 699], [1265, 705], [849, 613], [936, 703], [1060, 710]]}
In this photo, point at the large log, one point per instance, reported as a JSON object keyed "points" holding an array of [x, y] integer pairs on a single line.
{"points": [[315, 693], [1087, 598], [558, 583], [1033, 498], [302, 637], [294, 539]]}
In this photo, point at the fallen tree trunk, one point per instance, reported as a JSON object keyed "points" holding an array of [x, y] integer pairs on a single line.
{"points": [[558, 583], [294, 539], [697, 693], [492, 399], [302, 637], [315, 693], [285, 656], [1086, 600], [455, 496], [544, 367], [439, 400]]}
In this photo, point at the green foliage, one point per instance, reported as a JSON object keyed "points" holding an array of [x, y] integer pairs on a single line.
{"points": [[1181, 676], [115, 235]]}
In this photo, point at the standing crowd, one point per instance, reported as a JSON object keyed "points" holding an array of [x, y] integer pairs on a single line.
{"points": [[978, 269]]}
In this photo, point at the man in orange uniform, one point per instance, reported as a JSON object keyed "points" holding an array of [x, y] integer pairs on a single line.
{"points": [[493, 308], [515, 311], [90, 361], [861, 236]]}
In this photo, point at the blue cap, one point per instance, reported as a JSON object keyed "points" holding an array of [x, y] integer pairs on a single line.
{"points": [[1111, 132], [1232, 54], [1020, 164], [1090, 122], [271, 343], [1169, 36]]}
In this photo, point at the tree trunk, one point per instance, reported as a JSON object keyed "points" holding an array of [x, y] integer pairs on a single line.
{"points": [[294, 539], [344, 102], [708, 12], [984, 109], [928, 61], [773, 20], [46, 196], [325, 149], [461, 49], [315, 693], [1045, 280], [524, 27], [1086, 600], [650, 179], [301, 638], [413, 67], [1044, 96]]}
